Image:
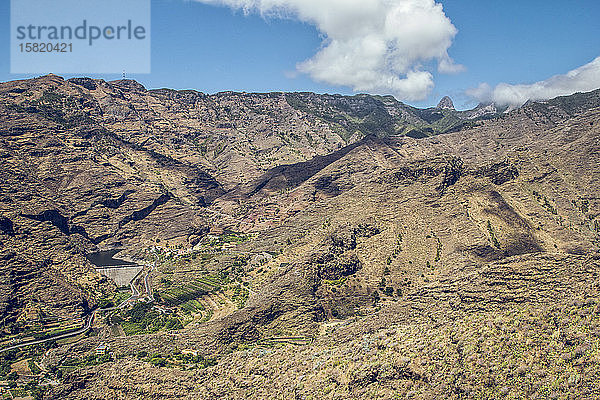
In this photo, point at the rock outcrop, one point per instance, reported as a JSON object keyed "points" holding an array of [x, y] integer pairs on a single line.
{"points": [[446, 104]]}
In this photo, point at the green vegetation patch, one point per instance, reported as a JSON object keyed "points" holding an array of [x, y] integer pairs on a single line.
{"points": [[184, 360], [240, 296], [493, 238], [141, 319], [56, 107]]}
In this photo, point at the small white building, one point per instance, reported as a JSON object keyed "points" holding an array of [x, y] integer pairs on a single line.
{"points": [[102, 349], [190, 351]]}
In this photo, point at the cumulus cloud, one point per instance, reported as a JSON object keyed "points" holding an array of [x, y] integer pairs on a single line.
{"points": [[582, 79], [375, 46]]}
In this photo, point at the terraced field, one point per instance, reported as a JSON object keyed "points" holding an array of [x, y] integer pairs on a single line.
{"points": [[203, 298]]}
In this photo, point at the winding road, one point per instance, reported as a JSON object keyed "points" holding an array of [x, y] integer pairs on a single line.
{"points": [[135, 295], [85, 328]]}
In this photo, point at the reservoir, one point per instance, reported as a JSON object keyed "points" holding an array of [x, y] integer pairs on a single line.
{"points": [[120, 271], [106, 258]]}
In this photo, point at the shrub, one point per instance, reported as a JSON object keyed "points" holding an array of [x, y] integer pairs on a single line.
{"points": [[375, 296], [158, 361]]}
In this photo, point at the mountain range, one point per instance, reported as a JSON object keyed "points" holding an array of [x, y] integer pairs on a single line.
{"points": [[310, 245]]}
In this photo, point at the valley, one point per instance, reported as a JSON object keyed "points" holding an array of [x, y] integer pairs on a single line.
{"points": [[296, 245]]}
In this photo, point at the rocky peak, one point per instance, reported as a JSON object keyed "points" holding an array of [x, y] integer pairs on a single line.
{"points": [[128, 85], [446, 104], [483, 109]]}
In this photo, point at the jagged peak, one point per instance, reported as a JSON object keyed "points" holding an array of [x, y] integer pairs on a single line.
{"points": [[446, 104]]}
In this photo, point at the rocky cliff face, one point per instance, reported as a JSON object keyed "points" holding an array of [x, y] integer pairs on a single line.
{"points": [[406, 263]]}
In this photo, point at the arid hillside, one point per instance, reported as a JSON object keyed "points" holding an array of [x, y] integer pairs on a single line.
{"points": [[94, 165], [303, 246]]}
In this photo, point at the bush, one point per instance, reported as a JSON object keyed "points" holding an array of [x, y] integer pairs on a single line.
{"points": [[172, 324], [375, 296], [33, 367], [105, 303], [38, 392], [166, 282], [158, 361], [5, 368], [138, 311]]}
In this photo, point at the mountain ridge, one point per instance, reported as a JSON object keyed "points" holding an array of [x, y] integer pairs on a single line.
{"points": [[363, 237]]}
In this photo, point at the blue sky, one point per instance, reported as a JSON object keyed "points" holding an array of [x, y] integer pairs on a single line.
{"points": [[217, 47]]}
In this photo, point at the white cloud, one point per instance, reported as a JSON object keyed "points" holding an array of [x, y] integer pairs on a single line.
{"points": [[375, 46], [582, 79]]}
